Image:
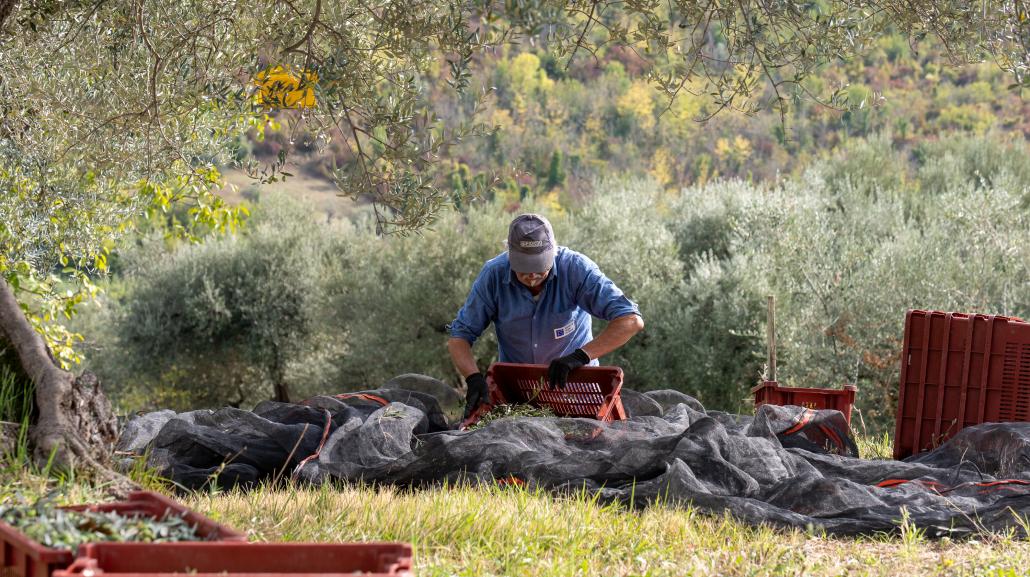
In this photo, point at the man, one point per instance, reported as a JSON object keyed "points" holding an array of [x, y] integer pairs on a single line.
{"points": [[540, 297]]}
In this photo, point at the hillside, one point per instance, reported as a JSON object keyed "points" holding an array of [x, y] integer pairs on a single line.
{"points": [[560, 130]]}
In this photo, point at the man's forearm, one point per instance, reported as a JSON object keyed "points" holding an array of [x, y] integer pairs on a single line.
{"points": [[616, 334], [461, 355]]}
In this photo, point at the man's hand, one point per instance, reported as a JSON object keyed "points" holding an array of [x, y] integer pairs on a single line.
{"points": [[558, 372], [477, 393]]}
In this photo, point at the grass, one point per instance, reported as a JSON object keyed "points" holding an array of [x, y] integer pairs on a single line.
{"points": [[465, 531], [16, 398], [872, 447], [16, 406]]}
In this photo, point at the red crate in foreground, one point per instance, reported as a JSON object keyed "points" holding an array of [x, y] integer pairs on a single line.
{"points": [[208, 559], [23, 557], [771, 393], [590, 392], [959, 370]]}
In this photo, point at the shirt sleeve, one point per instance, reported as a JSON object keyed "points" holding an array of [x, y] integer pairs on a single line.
{"points": [[479, 308], [598, 295]]}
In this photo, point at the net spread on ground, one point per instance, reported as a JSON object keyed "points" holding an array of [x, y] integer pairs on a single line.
{"points": [[786, 466]]}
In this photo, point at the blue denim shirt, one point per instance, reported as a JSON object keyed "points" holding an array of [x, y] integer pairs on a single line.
{"points": [[538, 331]]}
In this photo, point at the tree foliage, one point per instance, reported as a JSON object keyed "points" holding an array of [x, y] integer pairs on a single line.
{"points": [[116, 110], [224, 321], [844, 254], [733, 48], [113, 107]]}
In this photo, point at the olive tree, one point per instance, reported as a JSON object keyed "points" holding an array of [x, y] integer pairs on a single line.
{"points": [[226, 318], [111, 109]]}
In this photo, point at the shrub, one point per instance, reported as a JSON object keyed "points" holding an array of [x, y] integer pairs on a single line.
{"points": [[697, 334], [395, 295], [980, 162], [844, 269], [225, 322]]}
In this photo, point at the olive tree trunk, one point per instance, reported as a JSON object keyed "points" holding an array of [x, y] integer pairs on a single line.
{"points": [[75, 425], [278, 373], [6, 7]]}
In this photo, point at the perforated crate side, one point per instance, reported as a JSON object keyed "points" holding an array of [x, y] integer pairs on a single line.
{"points": [[959, 370]]}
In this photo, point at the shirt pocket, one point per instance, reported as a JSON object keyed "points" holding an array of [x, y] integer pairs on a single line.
{"points": [[562, 325]]}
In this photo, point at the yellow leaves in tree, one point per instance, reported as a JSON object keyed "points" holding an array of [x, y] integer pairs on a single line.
{"points": [[551, 201], [280, 87], [736, 152], [527, 79], [733, 155], [638, 102], [527, 76], [975, 118], [683, 113], [593, 127], [742, 147], [501, 118], [723, 148], [663, 167]]}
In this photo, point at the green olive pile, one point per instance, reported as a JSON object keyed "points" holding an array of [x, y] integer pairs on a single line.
{"points": [[503, 411], [64, 529]]}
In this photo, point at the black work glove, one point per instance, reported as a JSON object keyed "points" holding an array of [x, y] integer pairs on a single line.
{"points": [[477, 393], [558, 372]]}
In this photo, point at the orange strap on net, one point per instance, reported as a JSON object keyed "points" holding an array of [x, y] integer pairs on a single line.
{"points": [[833, 436], [329, 420], [364, 396], [510, 481], [888, 483], [940, 488], [325, 435], [999, 484], [803, 419]]}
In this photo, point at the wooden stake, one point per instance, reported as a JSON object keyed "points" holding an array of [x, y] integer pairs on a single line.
{"points": [[770, 337]]}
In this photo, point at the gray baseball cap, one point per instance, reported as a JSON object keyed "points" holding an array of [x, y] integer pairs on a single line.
{"points": [[531, 246]]}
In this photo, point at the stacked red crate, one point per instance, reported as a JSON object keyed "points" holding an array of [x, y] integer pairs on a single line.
{"points": [[959, 370]]}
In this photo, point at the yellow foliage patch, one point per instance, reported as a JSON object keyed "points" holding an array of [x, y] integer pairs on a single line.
{"points": [[280, 87], [638, 102], [663, 167]]}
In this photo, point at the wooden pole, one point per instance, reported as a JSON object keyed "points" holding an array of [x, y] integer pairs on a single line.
{"points": [[770, 337]]}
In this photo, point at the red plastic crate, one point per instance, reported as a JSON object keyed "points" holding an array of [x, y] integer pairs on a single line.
{"points": [[590, 392], [23, 557], [959, 370], [771, 393], [208, 559]]}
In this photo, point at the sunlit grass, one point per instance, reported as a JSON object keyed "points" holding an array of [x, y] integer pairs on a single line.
{"points": [[871, 447], [468, 531], [492, 530]]}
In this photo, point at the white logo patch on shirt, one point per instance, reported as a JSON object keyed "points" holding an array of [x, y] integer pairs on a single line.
{"points": [[565, 331]]}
